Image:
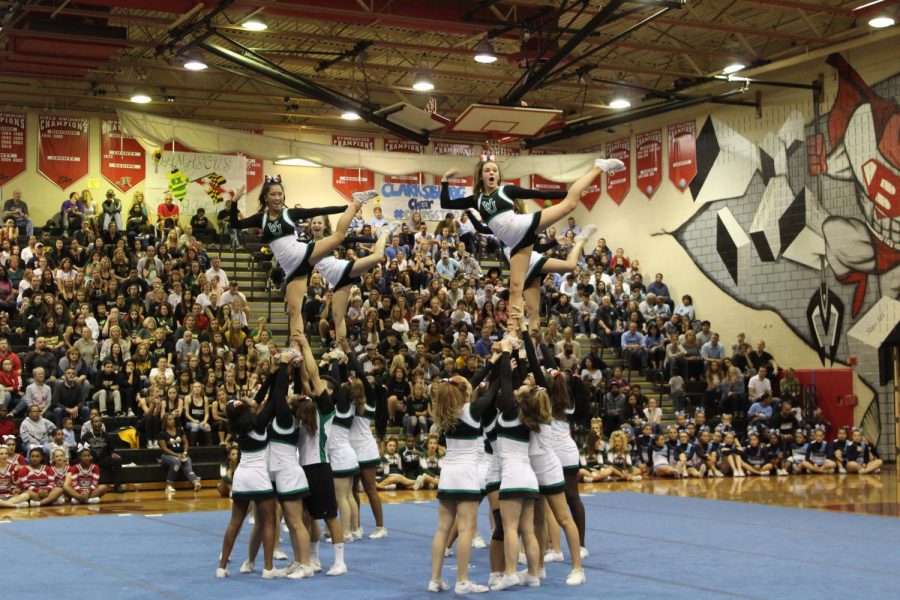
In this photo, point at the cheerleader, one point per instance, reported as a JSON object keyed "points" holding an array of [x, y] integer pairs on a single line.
{"points": [[713, 448], [342, 458], [661, 458], [729, 456], [860, 459], [753, 456], [15, 459], [59, 467], [10, 496], [797, 452], [560, 388], [839, 448], [540, 265], [499, 206], [36, 479], [618, 458], [547, 466], [315, 415], [819, 457], [431, 462], [685, 450], [775, 453], [249, 420], [362, 441], [226, 471], [459, 490], [392, 469], [592, 460], [341, 274], [296, 258]]}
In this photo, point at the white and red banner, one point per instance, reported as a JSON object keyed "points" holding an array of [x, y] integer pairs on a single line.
{"points": [[63, 146], [618, 184], [347, 181], [542, 183], [592, 193], [122, 160], [403, 194], [455, 149], [12, 145], [682, 154], [648, 158], [406, 147]]}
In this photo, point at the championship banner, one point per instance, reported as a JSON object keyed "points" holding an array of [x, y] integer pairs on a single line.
{"points": [[618, 184], [347, 181], [122, 160], [543, 184], [63, 146], [455, 149], [196, 180], [402, 194], [254, 166], [682, 154], [648, 157], [592, 193], [12, 145]]}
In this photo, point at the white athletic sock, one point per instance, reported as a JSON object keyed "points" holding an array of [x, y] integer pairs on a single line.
{"points": [[314, 551], [338, 553]]}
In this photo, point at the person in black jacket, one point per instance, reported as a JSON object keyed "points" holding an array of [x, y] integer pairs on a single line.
{"points": [[103, 452]]}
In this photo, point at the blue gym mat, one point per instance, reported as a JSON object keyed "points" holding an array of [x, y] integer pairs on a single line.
{"points": [[641, 545]]}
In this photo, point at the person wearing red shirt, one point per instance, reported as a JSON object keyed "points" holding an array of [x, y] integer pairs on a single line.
{"points": [[5, 353], [83, 480], [36, 479], [10, 496], [168, 214]]}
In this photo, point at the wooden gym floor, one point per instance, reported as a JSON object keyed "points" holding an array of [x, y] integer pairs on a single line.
{"points": [[866, 494]]}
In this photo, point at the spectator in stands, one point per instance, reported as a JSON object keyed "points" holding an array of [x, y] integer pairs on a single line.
{"points": [[11, 386], [168, 215], [136, 220], [216, 270], [571, 227], [686, 308], [112, 211], [761, 411], [107, 387], [712, 351], [760, 358], [38, 393], [202, 228], [759, 386], [102, 445], [72, 213], [377, 222], [69, 397], [633, 347], [659, 288], [17, 208], [36, 431]]}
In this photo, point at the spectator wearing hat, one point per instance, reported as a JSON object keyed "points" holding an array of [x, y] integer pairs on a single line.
{"points": [[112, 211], [447, 267]]}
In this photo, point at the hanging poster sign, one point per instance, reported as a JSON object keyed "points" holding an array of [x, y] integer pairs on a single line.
{"points": [[542, 183], [195, 180], [122, 160], [592, 193], [348, 180], [682, 154], [618, 184], [63, 149], [648, 158], [12, 145]]}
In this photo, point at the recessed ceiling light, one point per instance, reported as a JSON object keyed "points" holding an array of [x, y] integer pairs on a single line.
{"points": [[734, 68], [141, 98], [620, 103], [257, 23]]}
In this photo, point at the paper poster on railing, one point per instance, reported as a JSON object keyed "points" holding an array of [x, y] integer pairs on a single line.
{"points": [[196, 180]]}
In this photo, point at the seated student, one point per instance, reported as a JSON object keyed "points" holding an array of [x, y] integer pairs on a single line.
{"points": [[82, 483], [430, 463], [729, 456], [37, 480], [860, 459], [725, 425], [775, 453], [59, 467], [392, 469], [642, 445], [702, 461], [684, 454], [15, 459], [618, 459], [226, 471], [838, 447], [591, 460], [662, 458], [819, 457], [753, 458], [796, 452]]}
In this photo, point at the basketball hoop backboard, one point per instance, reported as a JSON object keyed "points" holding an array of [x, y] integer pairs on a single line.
{"points": [[412, 117], [507, 120]]}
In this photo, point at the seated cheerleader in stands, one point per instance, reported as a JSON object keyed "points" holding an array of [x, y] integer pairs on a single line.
{"points": [[796, 453], [729, 456], [82, 483], [726, 425], [819, 457], [662, 458], [838, 447], [431, 462], [775, 453], [713, 452], [753, 458], [10, 494], [684, 452], [592, 460], [37, 480], [642, 446], [15, 459], [618, 458], [860, 459], [392, 467]]}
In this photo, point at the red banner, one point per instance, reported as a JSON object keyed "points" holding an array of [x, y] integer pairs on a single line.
{"points": [[12, 145], [455, 149], [347, 181], [648, 157], [407, 147], [63, 149], [592, 193], [122, 160], [542, 183], [682, 154], [618, 184]]}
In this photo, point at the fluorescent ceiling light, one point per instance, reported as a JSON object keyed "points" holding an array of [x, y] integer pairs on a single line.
{"points": [[257, 23], [484, 52], [734, 68], [296, 162], [620, 103]]}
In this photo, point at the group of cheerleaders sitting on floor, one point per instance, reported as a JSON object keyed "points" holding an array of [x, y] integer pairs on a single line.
{"points": [[34, 483], [688, 450]]}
